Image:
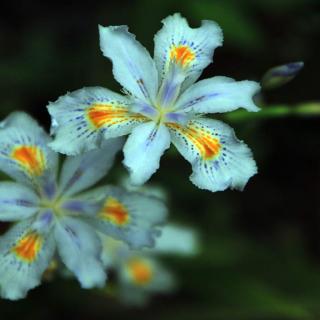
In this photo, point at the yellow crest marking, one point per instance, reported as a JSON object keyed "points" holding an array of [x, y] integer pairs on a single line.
{"points": [[104, 114], [28, 247], [182, 54], [208, 146], [115, 212], [140, 271], [31, 158]]}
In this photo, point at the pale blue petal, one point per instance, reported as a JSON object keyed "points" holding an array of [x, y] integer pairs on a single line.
{"points": [[24, 154], [133, 66], [143, 150], [192, 48], [15, 119], [83, 171], [128, 216], [219, 160], [17, 201], [218, 94], [81, 119], [177, 240], [111, 250], [21, 270], [152, 190], [80, 249]]}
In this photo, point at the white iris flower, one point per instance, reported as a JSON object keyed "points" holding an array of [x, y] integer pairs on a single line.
{"points": [[163, 103], [51, 213]]}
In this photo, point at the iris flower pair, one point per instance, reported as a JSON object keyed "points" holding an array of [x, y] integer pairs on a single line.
{"points": [[162, 103], [51, 213]]}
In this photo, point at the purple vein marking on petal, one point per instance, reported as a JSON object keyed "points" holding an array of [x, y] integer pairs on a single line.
{"points": [[200, 99], [46, 217], [212, 95], [138, 79], [144, 108], [76, 176], [148, 110], [49, 189], [18, 202], [143, 88], [75, 205], [168, 92], [216, 165], [73, 236], [175, 117], [151, 137], [81, 206]]}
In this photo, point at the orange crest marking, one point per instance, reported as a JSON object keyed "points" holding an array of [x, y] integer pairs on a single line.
{"points": [[208, 146], [28, 247], [182, 54], [31, 158], [115, 212], [140, 271], [104, 114]]}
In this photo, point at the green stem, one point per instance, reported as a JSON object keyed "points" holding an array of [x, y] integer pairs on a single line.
{"points": [[276, 111]]}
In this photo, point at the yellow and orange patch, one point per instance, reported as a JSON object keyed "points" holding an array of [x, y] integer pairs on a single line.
{"points": [[140, 271], [208, 146], [115, 212], [28, 247], [31, 158], [182, 54], [100, 115]]}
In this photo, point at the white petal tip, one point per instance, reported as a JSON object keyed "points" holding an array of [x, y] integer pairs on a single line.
{"points": [[61, 147]]}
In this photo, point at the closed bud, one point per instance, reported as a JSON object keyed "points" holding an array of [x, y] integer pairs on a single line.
{"points": [[280, 75]]}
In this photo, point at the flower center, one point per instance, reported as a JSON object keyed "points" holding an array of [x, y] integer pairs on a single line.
{"points": [[161, 114], [52, 204], [163, 109]]}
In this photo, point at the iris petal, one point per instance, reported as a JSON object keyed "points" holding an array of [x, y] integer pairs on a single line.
{"points": [[219, 160]]}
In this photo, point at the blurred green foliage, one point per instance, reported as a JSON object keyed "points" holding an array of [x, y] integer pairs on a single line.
{"points": [[261, 248]]}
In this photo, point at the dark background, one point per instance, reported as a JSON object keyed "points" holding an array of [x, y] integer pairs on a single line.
{"points": [[260, 254]]}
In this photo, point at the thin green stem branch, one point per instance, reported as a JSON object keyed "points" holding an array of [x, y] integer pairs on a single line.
{"points": [[307, 109]]}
